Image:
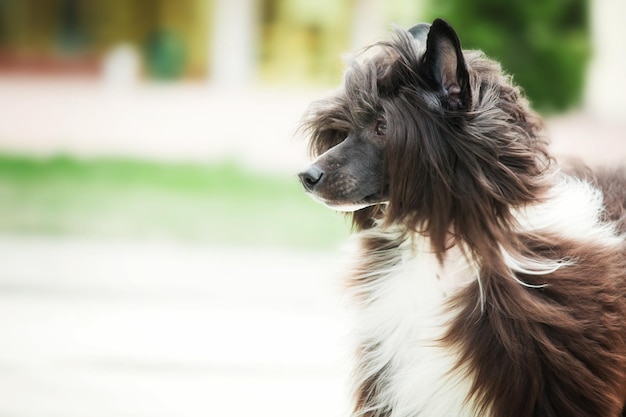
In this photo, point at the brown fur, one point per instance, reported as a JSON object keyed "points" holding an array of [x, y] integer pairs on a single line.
{"points": [[555, 351]]}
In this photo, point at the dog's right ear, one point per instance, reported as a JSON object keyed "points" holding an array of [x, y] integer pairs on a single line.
{"points": [[443, 66]]}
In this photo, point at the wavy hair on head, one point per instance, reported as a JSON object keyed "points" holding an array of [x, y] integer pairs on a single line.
{"points": [[447, 166]]}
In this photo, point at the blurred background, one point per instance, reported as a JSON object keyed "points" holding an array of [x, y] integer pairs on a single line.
{"points": [[158, 257]]}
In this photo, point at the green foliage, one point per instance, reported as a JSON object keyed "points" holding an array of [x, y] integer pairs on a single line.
{"points": [[165, 55], [220, 203], [543, 44]]}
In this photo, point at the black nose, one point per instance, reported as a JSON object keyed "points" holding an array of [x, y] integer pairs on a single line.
{"points": [[311, 177]]}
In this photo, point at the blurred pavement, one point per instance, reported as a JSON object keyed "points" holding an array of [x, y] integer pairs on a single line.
{"points": [[153, 329], [171, 122], [202, 123]]}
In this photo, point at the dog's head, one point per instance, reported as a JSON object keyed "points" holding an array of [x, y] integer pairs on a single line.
{"points": [[352, 131], [424, 133]]}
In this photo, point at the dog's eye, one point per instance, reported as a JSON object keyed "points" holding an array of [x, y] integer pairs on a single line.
{"points": [[381, 128]]}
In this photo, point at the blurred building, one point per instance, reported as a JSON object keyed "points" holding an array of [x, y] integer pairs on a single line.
{"points": [[74, 37], [226, 40]]}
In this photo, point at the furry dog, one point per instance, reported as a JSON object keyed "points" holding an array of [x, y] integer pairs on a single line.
{"points": [[490, 280]]}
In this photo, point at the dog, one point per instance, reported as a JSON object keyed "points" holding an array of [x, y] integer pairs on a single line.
{"points": [[490, 279]]}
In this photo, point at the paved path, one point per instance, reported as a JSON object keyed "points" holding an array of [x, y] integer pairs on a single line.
{"points": [[172, 122], [158, 329]]}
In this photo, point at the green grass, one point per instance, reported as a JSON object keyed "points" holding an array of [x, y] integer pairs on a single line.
{"points": [[222, 203]]}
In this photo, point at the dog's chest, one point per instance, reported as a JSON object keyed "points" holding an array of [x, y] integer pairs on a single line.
{"points": [[401, 317]]}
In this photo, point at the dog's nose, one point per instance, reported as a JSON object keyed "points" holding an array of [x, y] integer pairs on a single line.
{"points": [[311, 177]]}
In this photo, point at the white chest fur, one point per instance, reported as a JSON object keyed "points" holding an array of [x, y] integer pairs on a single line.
{"points": [[401, 315]]}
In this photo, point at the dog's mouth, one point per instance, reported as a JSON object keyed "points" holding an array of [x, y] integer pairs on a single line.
{"points": [[351, 205]]}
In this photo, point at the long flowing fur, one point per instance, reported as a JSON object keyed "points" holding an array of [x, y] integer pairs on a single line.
{"points": [[490, 277]]}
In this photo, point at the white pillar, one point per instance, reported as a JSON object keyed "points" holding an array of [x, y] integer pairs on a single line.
{"points": [[606, 79], [234, 42], [369, 23], [373, 19]]}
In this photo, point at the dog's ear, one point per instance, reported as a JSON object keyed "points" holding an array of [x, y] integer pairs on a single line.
{"points": [[444, 67], [420, 32]]}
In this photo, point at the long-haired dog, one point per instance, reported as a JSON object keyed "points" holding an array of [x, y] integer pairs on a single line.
{"points": [[490, 281]]}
